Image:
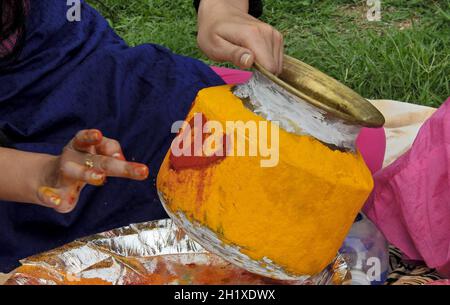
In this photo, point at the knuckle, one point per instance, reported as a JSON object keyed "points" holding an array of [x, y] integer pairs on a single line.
{"points": [[63, 168], [214, 53], [267, 27], [115, 143], [112, 146], [278, 36], [99, 162], [253, 30], [104, 163], [264, 28], [257, 31]]}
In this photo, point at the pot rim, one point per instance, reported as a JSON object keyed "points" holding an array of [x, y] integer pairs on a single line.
{"points": [[324, 92]]}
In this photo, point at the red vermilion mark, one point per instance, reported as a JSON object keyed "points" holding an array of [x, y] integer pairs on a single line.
{"points": [[196, 157], [72, 199]]}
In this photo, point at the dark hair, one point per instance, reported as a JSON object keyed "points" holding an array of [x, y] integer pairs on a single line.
{"points": [[12, 22]]}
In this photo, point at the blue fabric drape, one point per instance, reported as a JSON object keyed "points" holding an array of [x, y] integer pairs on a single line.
{"points": [[77, 75]]}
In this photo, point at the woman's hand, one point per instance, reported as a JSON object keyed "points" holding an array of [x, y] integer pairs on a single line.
{"points": [[88, 159], [226, 32]]}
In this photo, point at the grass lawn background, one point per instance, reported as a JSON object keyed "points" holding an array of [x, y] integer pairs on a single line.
{"points": [[405, 56]]}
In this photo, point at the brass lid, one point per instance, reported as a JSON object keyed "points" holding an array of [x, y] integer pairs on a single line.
{"points": [[324, 92]]}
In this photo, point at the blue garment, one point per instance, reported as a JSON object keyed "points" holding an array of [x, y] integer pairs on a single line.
{"points": [[76, 75]]}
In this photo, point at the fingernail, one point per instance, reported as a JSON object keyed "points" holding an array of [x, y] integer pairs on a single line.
{"points": [[141, 171], [55, 200], [118, 155], [245, 58], [97, 178], [94, 136], [51, 196]]}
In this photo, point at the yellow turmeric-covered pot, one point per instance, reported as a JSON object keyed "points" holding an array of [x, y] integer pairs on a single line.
{"points": [[266, 174]]}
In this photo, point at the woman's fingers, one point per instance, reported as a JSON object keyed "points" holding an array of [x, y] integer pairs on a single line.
{"points": [[118, 168], [63, 200], [254, 37], [278, 50], [78, 172], [111, 148], [260, 38], [248, 39], [222, 50], [268, 57], [86, 140], [93, 141], [91, 158], [50, 197], [281, 55], [70, 195], [93, 169], [88, 159]]}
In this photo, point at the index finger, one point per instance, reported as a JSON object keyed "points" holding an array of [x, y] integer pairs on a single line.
{"points": [[257, 37], [259, 40], [114, 167]]}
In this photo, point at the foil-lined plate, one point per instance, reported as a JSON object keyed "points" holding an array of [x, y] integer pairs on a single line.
{"points": [[156, 252]]}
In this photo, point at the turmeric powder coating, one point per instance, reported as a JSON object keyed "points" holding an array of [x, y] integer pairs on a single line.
{"points": [[296, 214]]}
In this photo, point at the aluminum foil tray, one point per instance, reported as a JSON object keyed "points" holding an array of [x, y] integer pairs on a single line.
{"points": [[156, 252]]}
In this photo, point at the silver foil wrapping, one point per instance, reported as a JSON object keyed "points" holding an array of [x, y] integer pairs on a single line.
{"points": [[156, 252], [274, 103]]}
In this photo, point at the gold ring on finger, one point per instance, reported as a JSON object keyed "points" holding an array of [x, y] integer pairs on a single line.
{"points": [[89, 162]]}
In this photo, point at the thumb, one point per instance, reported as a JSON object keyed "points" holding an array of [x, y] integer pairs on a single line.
{"points": [[226, 51], [246, 59]]}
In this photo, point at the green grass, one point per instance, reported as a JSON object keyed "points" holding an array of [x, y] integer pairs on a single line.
{"points": [[405, 56]]}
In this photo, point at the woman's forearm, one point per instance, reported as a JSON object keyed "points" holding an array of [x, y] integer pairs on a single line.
{"points": [[21, 174]]}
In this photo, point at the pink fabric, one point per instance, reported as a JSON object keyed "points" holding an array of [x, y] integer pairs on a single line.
{"points": [[371, 142], [232, 76], [439, 283], [411, 200]]}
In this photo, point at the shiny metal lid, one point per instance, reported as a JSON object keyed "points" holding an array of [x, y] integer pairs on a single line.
{"points": [[324, 92]]}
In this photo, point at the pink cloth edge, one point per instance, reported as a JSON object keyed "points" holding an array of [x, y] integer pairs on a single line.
{"points": [[410, 201]]}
